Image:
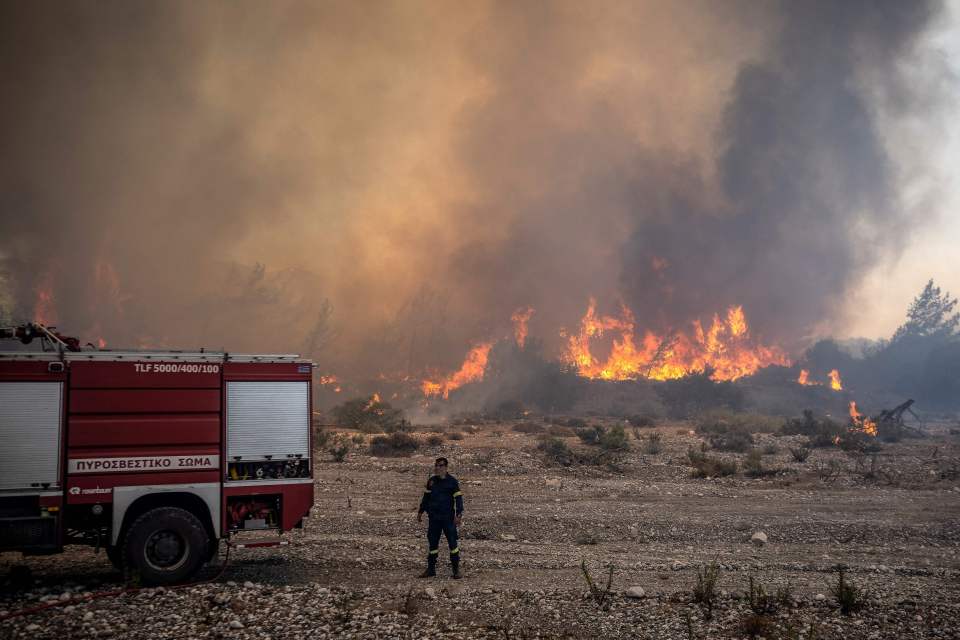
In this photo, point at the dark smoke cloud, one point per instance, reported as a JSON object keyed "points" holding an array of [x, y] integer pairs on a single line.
{"points": [[810, 195], [381, 185]]}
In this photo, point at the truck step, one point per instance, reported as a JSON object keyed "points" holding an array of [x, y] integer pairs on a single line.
{"points": [[251, 544]]}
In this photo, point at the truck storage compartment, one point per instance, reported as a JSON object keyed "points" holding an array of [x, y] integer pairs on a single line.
{"points": [[269, 421], [246, 513], [30, 416]]}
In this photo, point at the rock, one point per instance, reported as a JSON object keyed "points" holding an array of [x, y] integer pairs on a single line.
{"points": [[430, 592], [236, 624], [555, 483], [636, 592], [88, 616], [759, 538], [819, 597], [508, 537], [65, 595], [249, 585], [33, 627]]}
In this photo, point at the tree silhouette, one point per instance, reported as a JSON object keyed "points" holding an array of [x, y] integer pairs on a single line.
{"points": [[931, 315]]}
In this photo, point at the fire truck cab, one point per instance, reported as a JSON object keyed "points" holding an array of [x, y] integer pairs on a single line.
{"points": [[153, 455]]}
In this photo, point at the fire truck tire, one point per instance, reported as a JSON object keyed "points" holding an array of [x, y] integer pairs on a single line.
{"points": [[115, 556], [166, 545]]}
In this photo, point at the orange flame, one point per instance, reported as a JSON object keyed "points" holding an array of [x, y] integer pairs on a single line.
{"points": [[861, 422], [520, 319], [44, 308], [804, 379], [725, 347], [331, 379], [101, 343], [835, 382], [472, 370]]}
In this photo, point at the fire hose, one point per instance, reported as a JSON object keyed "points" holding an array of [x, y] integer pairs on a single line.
{"points": [[115, 592]]}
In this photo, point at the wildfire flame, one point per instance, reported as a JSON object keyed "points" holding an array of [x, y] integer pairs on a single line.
{"points": [[374, 399], [861, 422], [835, 382], [725, 348], [44, 309], [331, 379], [471, 370], [520, 319]]}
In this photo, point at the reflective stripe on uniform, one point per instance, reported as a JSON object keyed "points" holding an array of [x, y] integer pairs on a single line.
{"points": [[455, 550], [458, 493], [434, 552]]}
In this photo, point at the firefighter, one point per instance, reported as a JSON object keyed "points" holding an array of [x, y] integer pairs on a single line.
{"points": [[443, 502]]}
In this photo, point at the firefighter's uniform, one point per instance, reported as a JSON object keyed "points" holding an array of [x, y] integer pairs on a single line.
{"points": [[442, 501]]}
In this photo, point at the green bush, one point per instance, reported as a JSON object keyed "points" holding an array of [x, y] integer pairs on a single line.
{"points": [[396, 444], [614, 439], [849, 597], [590, 435]]}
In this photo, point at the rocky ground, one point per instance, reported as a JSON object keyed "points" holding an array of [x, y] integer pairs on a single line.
{"points": [[893, 523]]}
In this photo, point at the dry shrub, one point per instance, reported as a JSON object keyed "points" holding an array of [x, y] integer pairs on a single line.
{"points": [[733, 441], [709, 467], [397, 444], [434, 440], [642, 421], [653, 443], [528, 427], [560, 431], [370, 416], [821, 432], [801, 453], [849, 597], [556, 451], [705, 590], [456, 435]]}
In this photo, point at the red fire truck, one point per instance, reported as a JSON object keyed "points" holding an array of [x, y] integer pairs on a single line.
{"points": [[152, 455]]}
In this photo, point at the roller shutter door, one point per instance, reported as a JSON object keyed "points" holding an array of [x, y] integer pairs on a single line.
{"points": [[30, 434], [268, 419]]}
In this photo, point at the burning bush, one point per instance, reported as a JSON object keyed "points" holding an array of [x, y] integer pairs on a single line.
{"points": [[397, 444], [370, 415]]}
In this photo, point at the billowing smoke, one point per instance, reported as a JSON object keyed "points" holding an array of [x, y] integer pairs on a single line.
{"points": [[382, 185]]}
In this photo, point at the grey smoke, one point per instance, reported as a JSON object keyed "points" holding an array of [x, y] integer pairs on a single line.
{"points": [[382, 185]]}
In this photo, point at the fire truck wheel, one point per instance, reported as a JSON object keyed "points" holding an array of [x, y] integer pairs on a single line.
{"points": [[166, 545], [115, 556]]}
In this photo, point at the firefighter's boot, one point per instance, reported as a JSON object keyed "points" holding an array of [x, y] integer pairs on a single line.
{"points": [[431, 566], [455, 566]]}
